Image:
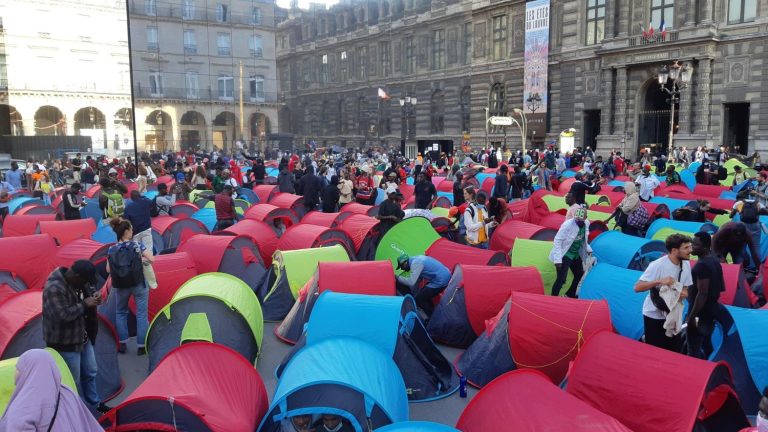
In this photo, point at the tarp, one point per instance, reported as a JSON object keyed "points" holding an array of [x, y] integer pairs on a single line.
{"points": [[212, 388], [451, 254], [69, 230], [503, 238], [29, 258], [412, 236], [261, 233], [527, 401], [623, 250], [8, 377], [22, 225], [616, 286], [535, 253]]}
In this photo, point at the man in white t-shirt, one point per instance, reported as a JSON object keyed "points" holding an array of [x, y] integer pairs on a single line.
{"points": [[671, 268], [647, 184]]}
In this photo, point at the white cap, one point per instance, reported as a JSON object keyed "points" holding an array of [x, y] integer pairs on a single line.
{"points": [[112, 171], [391, 189]]}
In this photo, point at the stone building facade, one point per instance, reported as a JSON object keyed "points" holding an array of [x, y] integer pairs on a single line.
{"points": [[460, 58]]}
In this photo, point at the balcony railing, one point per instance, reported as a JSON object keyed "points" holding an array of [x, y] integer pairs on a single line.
{"points": [[176, 10], [211, 94], [656, 39]]}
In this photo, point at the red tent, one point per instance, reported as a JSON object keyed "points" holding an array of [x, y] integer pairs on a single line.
{"points": [[183, 209], [709, 191], [235, 255], [672, 191], [289, 202], [36, 210], [265, 192], [476, 294], [303, 236], [169, 232], [261, 233], [23, 225], [451, 254], [534, 332], [527, 401], [504, 235], [697, 395], [363, 230], [93, 191], [167, 179], [615, 197], [267, 213], [327, 220], [552, 221], [519, 210], [88, 249], [356, 208], [212, 388], [69, 230], [27, 261], [537, 208], [407, 191], [488, 184], [565, 185], [445, 186]]}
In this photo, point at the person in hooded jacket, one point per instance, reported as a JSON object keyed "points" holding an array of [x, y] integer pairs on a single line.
{"points": [[286, 181], [331, 195], [626, 207]]}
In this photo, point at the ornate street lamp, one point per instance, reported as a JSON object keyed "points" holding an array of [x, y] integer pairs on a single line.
{"points": [[678, 77]]}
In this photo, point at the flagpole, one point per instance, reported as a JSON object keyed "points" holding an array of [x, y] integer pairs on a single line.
{"points": [[242, 120]]}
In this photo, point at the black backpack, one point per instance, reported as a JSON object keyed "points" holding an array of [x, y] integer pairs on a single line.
{"points": [[154, 211], [749, 212], [125, 266]]}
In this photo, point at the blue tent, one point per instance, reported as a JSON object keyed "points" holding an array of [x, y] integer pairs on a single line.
{"points": [[16, 203], [693, 167], [616, 286], [688, 178], [391, 324], [272, 172], [449, 195], [207, 216], [763, 247], [342, 376], [380, 196], [409, 180], [150, 194], [417, 426], [248, 195], [672, 203], [682, 226], [104, 234], [626, 251], [568, 174], [745, 348], [615, 183], [482, 176], [92, 210], [729, 195]]}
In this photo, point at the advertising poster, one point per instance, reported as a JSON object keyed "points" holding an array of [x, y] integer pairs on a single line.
{"points": [[536, 64]]}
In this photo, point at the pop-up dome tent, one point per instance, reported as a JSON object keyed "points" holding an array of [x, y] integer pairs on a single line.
{"points": [[261, 233], [267, 213], [306, 236], [68, 230], [698, 396], [412, 236], [474, 295], [36, 210], [213, 307], [416, 426], [93, 251], [289, 272], [183, 210], [344, 376], [201, 198], [357, 208], [533, 332], [27, 261], [526, 401], [504, 236], [661, 228], [8, 376], [361, 277], [623, 250], [289, 201], [535, 253], [266, 192], [745, 348], [452, 254], [616, 286], [169, 232], [23, 225], [234, 255], [198, 386], [15, 204], [364, 232], [207, 217], [21, 329], [318, 218], [390, 323]]}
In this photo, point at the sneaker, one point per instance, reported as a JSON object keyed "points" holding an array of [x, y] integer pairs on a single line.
{"points": [[122, 348], [103, 408], [141, 351]]}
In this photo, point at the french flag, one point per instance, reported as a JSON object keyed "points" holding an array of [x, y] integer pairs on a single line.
{"points": [[650, 28], [663, 29]]}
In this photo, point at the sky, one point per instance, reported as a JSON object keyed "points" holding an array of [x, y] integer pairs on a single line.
{"points": [[304, 4]]}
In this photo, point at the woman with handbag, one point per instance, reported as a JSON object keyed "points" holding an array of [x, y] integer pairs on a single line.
{"points": [[630, 214]]}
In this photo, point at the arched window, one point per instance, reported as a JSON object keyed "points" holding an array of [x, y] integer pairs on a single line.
{"points": [[437, 117], [464, 100], [497, 104]]}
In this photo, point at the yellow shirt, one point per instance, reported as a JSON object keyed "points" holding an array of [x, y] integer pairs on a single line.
{"points": [[482, 236]]}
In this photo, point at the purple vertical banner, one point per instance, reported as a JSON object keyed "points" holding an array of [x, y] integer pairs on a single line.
{"points": [[535, 94]]}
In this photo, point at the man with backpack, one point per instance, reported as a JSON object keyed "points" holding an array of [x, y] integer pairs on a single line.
{"points": [[163, 201], [749, 211], [139, 213], [111, 200]]}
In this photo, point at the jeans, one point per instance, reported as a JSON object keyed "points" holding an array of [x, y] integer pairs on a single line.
{"points": [[577, 267], [425, 295], [145, 238], [700, 338], [140, 295], [84, 370]]}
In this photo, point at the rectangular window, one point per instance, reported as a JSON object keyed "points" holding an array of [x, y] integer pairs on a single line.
{"points": [[467, 51], [663, 10], [362, 62], [499, 37], [257, 88], [740, 11], [324, 69], [188, 9], [222, 13], [306, 74], [256, 16], [256, 46], [193, 85], [224, 44], [152, 44], [386, 58], [190, 42], [438, 49], [595, 21], [226, 88], [410, 55], [156, 84], [343, 66], [150, 7]]}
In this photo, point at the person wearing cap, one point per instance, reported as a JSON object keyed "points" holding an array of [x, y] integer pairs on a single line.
{"points": [[390, 211], [70, 324], [226, 214], [366, 189], [425, 272], [647, 184], [181, 189], [570, 251], [672, 176], [739, 176]]}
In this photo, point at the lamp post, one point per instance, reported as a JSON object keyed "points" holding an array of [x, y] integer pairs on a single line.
{"points": [[524, 131], [408, 103], [678, 76], [534, 102]]}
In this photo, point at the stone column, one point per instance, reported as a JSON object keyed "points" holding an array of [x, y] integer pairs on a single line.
{"points": [[610, 21], [620, 115], [706, 11], [703, 96], [685, 118], [690, 12], [623, 23], [607, 103]]}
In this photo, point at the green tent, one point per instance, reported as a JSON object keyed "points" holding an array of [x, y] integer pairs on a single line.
{"points": [[440, 211], [730, 164], [240, 205], [412, 236], [719, 220], [196, 194], [665, 232], [290, 271], [213, 307], [535, 253], [8, 377], [594, 215], [556, 202]]}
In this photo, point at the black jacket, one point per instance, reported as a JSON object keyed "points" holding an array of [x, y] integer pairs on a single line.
{"points": [[310, 187], [331, 197], [501, 186], [66, 320]]}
